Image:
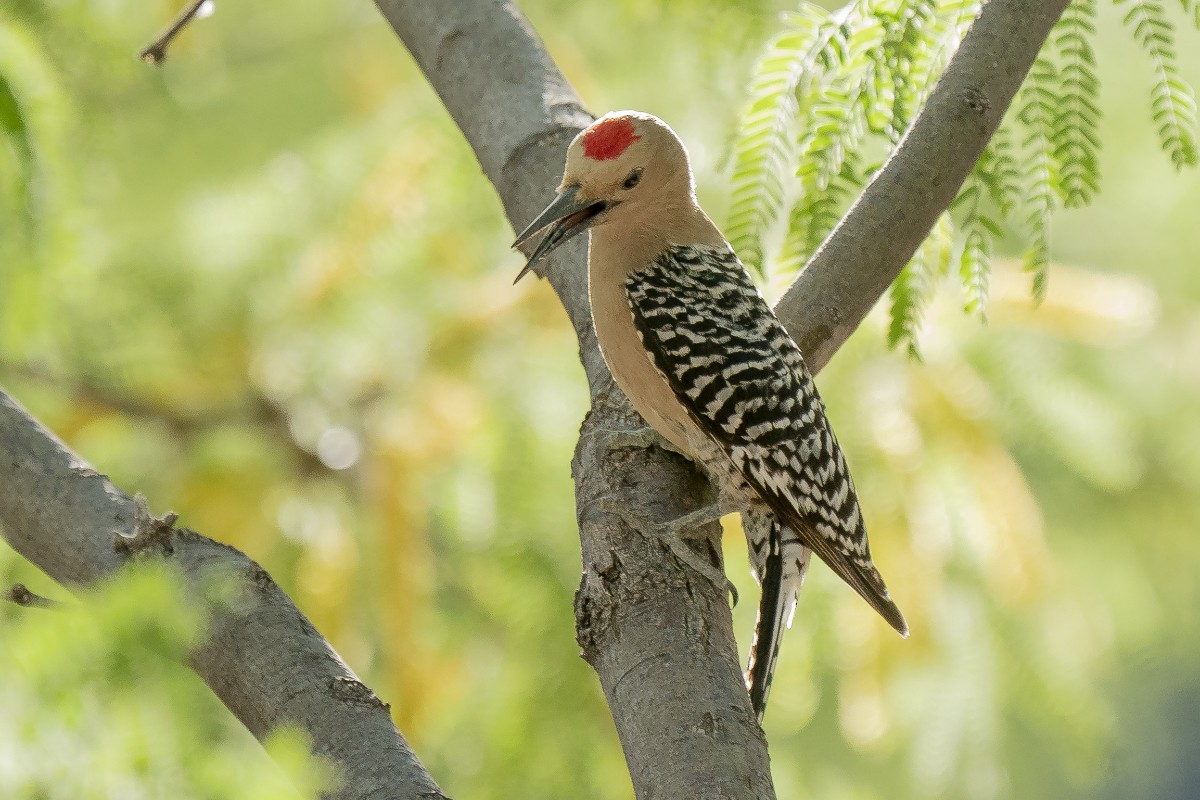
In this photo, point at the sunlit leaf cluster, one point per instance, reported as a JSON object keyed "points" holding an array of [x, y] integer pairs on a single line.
{"points": [[278, 301], [97, 704], [836, 90]]}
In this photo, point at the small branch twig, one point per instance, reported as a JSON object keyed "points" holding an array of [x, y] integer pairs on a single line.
{"points": [[156, 52], [20, 595]]}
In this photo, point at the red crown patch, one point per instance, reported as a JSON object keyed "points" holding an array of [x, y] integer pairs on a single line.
{"points": [[609, 139]]}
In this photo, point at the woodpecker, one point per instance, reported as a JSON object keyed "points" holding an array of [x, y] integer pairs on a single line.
{"points": [[703, 358]]}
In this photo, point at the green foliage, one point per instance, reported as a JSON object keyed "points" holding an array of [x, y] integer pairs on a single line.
{"points": [[1173, 101], [1041, 179], [34, 178], [975, 261], [288, 258], [913, 289], [98, 705], [1192, 9], [815, 213], [836, 91], [1077, 114], [765, 141]]}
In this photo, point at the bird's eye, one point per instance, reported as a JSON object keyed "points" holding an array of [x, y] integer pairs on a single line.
{"points": [[634, 178]]}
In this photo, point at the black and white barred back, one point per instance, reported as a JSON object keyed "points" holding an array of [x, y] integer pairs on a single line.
{"points": [[743, 380]]}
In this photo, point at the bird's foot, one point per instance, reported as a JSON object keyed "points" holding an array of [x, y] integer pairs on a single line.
{"points": [[642, 438], [674, 533]]}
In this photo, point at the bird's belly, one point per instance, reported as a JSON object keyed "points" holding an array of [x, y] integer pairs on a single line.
{"points": [[642, 383], [653, 398]]}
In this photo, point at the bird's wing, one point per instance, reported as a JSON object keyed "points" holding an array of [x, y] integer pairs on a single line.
{"points": [[743, 380]]}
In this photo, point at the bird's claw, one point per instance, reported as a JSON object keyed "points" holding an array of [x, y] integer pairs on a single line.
{"points": [[641, 438], [672, 533]]}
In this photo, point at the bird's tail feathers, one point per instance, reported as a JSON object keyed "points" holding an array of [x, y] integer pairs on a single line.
{"points": [[781, 576]]}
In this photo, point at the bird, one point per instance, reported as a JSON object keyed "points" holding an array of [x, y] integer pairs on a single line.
{"points": [[702, 357]]}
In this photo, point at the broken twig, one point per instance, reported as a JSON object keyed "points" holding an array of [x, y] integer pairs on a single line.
{"points": [[20, 595], [156, 52]]}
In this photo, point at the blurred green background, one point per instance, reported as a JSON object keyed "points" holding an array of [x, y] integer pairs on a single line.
{"points": [[268, 286]]}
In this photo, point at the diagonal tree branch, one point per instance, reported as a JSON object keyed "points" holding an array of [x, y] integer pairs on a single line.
{"points": [[635, 606], [861, 257], [264, 660], [659, 638], [156, 52]]}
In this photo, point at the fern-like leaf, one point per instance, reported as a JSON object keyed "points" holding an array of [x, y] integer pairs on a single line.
{"points": [[908, 30], [905, 299], [998, 171], [980, 232], [1073, 129], [1042, 187], [975, 264], [1173, 103], [1192, 9], [815, 215], [913, 289], [763, 149], [837, 118]]}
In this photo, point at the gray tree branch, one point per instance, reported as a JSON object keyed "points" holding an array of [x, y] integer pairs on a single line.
{"points": [[659, 637], [264, 660]]}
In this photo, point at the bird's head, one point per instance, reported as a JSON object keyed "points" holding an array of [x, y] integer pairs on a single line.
{"points": [[624, 165]]}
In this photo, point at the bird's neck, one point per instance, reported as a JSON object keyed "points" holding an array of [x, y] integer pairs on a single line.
{"points": [[633, 240]]}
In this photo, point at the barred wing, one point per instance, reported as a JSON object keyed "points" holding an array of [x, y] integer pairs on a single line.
{"points": [[743, 380]]}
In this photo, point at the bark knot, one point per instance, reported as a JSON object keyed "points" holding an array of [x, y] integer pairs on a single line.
{"points": [[262, 579], [976, 100], [355, 691], [708, 724], [150, 533]]}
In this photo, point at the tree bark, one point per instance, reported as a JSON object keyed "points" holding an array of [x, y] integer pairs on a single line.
{"points": [[659, 636], [264, 660]]}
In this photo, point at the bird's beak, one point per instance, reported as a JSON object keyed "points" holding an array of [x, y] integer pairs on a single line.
{"points": [[569, 216]]}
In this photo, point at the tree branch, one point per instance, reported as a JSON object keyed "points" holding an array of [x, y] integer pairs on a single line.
{"points": [[156, 52], [887, 223], [21, 595], [659, 636], [635, 609], [264, 660]]}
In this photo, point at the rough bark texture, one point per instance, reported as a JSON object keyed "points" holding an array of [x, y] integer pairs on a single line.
{"points": [[659, 637], [265, 660]]}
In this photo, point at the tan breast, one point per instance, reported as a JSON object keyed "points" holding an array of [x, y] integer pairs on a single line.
{"points": [[633, 370], [619, 248]]}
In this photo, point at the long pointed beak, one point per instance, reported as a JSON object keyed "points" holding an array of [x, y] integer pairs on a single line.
{"points": [[569, 217]]}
